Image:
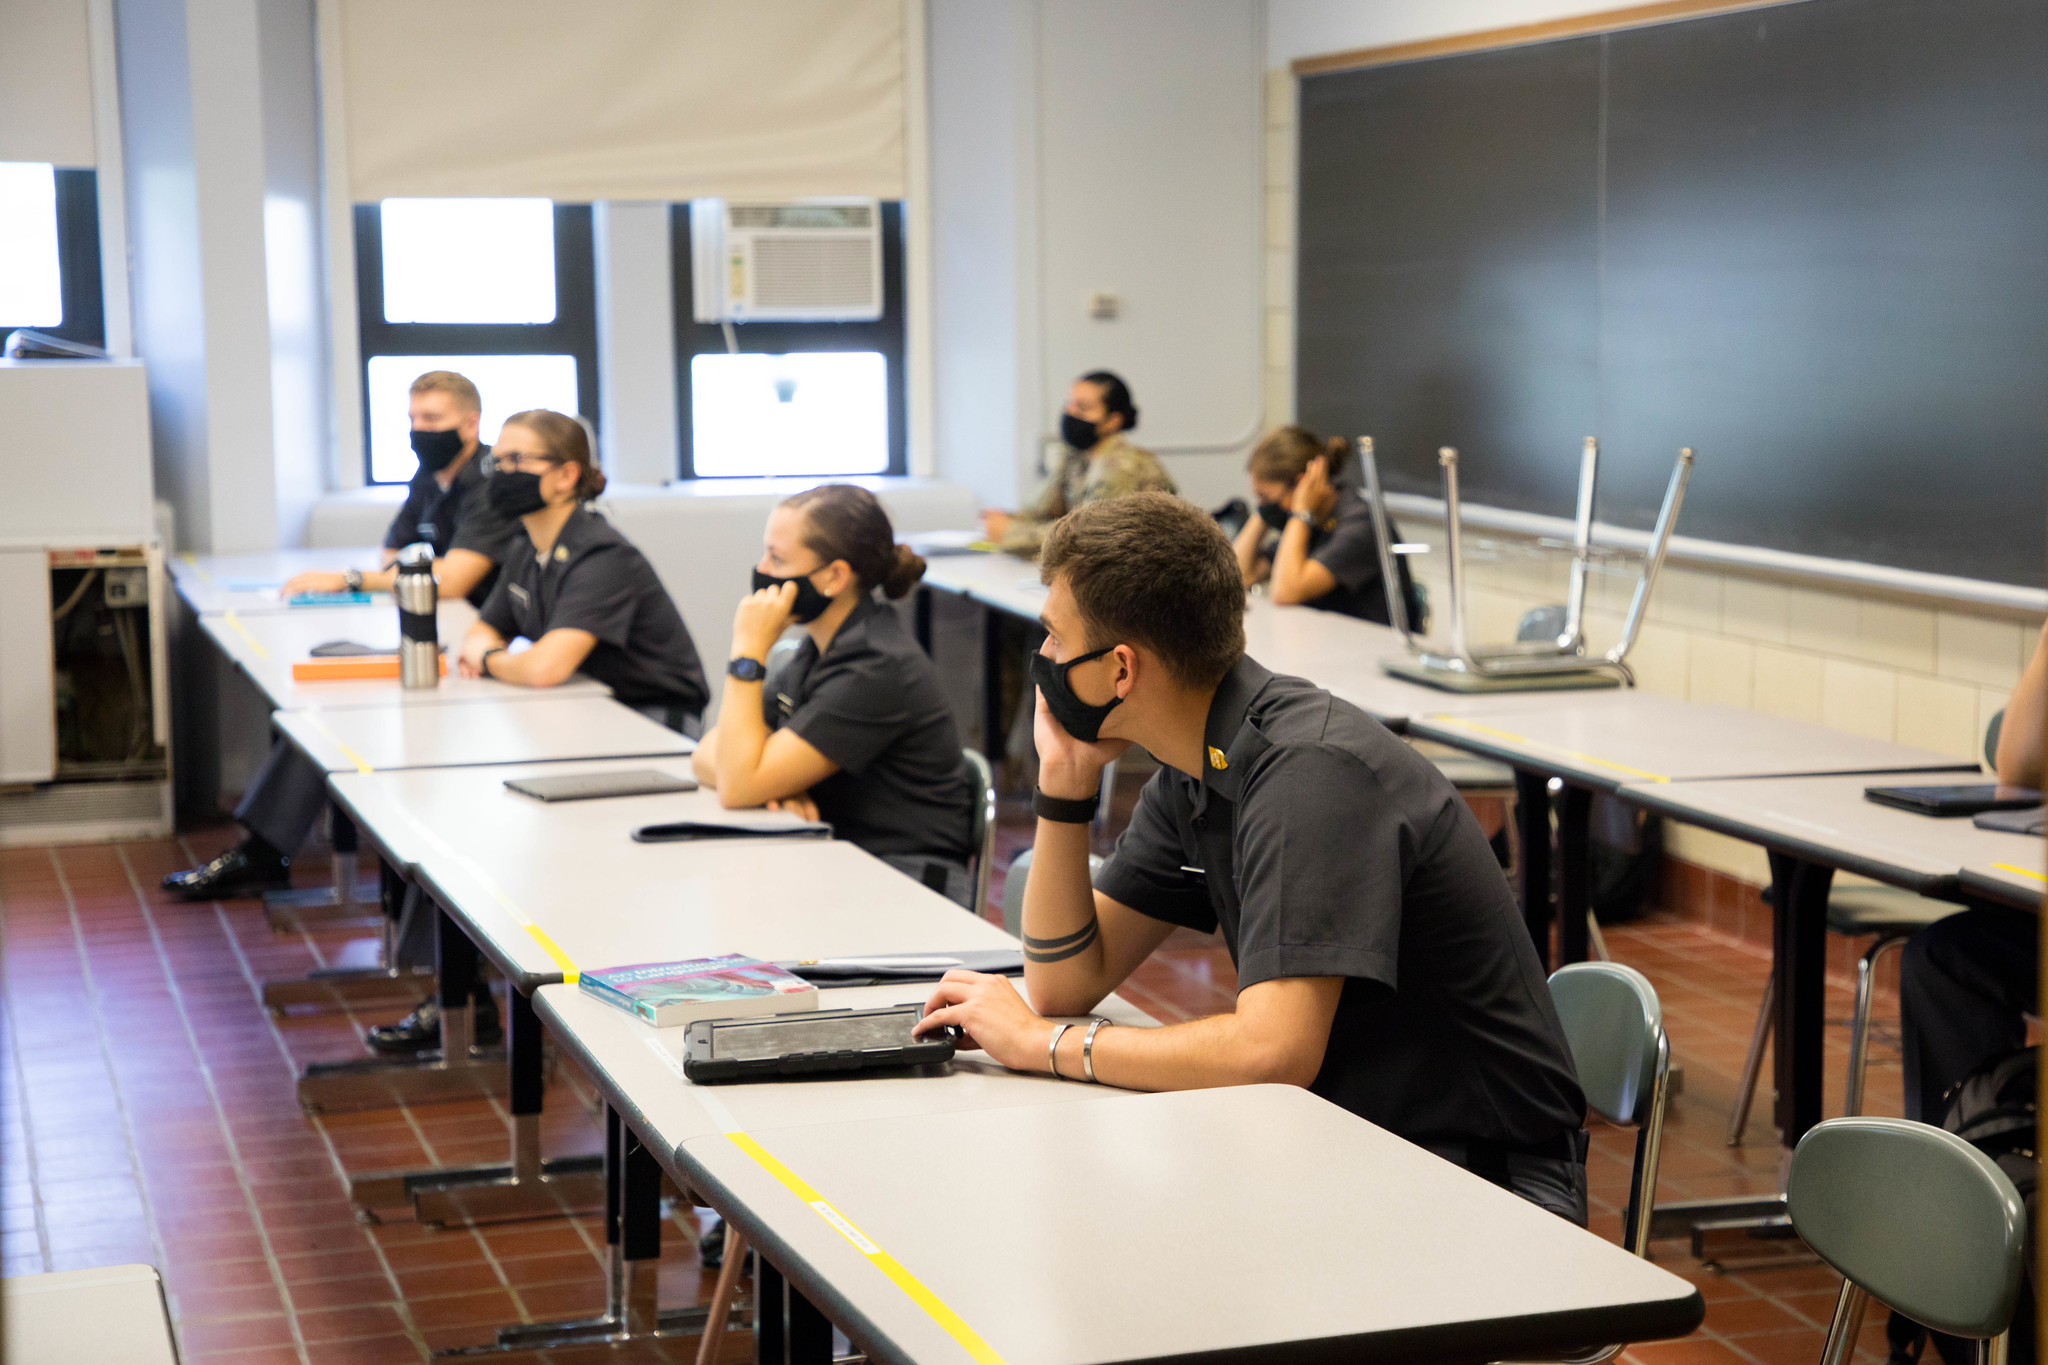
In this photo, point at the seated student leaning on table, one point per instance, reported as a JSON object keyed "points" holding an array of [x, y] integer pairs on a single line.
{"points": [[1381, 960], [444, 507], [854, 729], [1327, 555], [1098, 463], [589, 601]]}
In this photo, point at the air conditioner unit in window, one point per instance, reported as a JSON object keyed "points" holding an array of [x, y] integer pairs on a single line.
{"points": [[815, 260]]}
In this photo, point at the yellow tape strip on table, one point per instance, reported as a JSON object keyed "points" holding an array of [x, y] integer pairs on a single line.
{"points": [[934, 1307]]}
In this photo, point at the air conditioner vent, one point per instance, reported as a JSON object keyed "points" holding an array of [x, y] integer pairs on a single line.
{"points": [[813, 272], [817, 260], [858, 217]]}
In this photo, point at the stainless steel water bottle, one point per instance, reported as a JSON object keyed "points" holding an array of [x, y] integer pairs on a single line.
{"points": [[419, 638]]}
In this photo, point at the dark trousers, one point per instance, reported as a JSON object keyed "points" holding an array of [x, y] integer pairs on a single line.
{"points": [[1554, 1183], [1965, 984], [283, 803]]}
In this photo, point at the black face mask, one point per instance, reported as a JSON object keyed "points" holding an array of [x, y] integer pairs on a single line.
{"points": [[1078, 432], [810, 604], [1274, 514], [436, 449], [514, 493], [1083, 720]]}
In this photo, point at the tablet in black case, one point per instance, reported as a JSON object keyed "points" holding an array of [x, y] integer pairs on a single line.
{"points": [[590, 786], [807, 1044], [1966, 799]]}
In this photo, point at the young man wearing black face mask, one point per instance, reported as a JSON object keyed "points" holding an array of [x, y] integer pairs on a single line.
{"points": [[1098, 463], [444, 507], [1381, 960]]}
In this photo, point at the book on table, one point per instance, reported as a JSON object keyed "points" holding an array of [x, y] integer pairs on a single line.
{"points": [[668, 994]]}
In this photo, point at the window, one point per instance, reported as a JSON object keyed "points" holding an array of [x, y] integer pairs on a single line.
{"points": [[501, 290], [791, 398], [50, 251]]}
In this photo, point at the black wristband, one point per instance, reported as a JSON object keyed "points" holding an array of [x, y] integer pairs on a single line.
{"points": [[483, 665], [1061, 811]]}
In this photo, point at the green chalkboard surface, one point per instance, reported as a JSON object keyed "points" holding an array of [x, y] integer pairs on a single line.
{"points": [[1810, 240]]}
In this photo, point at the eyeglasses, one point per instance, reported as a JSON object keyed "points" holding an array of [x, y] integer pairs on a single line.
{"points": [[514, 463]]}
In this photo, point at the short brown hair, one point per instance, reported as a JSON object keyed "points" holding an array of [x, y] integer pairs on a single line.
{"points": [[1155, 570], [845, 521], [1283, 455], [567, 442], [454, 385]]}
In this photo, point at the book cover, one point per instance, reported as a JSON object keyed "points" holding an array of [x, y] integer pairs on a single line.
{"points": [[670, 994]]}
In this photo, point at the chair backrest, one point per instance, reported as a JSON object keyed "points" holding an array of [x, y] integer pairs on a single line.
{"points": [[1991, 738], [1914, 1216], [1013, 889], [981, 830], [782, 651], [1614, 1025]]}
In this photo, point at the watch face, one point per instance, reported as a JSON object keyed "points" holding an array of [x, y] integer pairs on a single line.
{"points": [[747, 670]]}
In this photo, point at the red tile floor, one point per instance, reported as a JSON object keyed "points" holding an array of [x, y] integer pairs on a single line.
{"points": [[147, 1114]]}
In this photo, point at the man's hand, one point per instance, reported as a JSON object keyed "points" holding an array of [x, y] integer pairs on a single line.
{"points": [[1313, 493], [994, 524], [315, 580], [760, 621], [801, 806], [994, 1017], [1067, 768]]}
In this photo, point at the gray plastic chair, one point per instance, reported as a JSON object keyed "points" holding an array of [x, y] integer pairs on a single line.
{"points": [[1916, 1218], [1013, 889], [1614, 1024], [982, 829]]}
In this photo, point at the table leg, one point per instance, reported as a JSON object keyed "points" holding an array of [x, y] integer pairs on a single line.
{"points": [[994, 724], [1574, 872], [454, 1072], [632, 1234], [344, 986], [1532, 818], [771, 1339], [809, 1334], [343, 899], [527, 1186], [1799, 900], [921, 618]]}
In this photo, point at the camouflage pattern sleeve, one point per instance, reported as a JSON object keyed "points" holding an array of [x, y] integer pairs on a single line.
{"points": [[1026, 531], [1126, 469]]}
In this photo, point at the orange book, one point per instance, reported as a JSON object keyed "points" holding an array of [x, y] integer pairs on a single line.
{"points": [[351, 668]]}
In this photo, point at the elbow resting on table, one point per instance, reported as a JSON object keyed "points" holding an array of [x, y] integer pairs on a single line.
{"points": [[1055, 1000]]}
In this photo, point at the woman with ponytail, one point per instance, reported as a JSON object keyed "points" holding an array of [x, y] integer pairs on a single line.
{"points": [[854, 730], [1326, 554]]}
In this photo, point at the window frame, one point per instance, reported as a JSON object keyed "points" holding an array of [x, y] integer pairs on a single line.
{"points": [[886, 335], [573, 332], [79, 286]]}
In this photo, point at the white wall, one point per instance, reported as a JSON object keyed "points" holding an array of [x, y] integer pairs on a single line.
{"points": [[638, 439], [1314, 28], [1083, 146]]}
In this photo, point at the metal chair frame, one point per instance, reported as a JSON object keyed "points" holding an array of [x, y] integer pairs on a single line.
{"points": [[982, 829]]}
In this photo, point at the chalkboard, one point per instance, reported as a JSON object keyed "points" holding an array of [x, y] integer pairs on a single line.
{"points": [[1809, 240]]}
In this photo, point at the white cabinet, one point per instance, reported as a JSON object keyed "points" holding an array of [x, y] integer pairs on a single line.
{"points": [[28, 702]]}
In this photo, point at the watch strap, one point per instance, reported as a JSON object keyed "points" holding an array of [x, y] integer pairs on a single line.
{"points": [[352, 580], [1062, 811]]}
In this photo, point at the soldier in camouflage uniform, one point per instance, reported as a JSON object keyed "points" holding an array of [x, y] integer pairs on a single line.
{"points": [[1098, 463]]}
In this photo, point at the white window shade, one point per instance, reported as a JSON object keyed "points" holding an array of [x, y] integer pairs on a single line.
{"points": [[623, 99], [45, 83]]}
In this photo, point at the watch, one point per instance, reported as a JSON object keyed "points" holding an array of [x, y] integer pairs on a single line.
{"points": [[747, 670], [1303, 515], [352, 580]]}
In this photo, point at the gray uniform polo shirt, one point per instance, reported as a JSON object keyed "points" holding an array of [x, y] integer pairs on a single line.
{"points": [[1322, 845]]}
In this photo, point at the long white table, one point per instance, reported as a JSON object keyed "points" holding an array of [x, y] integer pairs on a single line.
{"points": [[87, 1317], [531, 726], [984, 1214], [253, 583], [265, 647]]}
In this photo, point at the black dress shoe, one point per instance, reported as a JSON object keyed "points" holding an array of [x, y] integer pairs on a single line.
{"points": [[420, 1031], [247, 869]]}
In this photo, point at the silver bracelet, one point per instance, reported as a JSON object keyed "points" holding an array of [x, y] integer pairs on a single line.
{"points": [[1088, 1049], [1052, 1050]]}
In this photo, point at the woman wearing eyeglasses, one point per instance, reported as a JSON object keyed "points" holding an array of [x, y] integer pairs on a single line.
{"points": [[589, 602], [575, 587]]}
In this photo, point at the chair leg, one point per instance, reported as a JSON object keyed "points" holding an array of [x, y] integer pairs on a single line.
{"points": [[720, 1306], [1596, 938], [1859, 1023], [1994, 1351], [1746, 1091], [1846, 1327]]}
